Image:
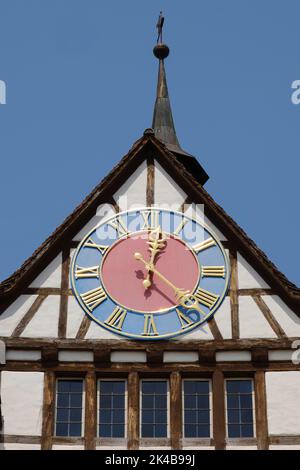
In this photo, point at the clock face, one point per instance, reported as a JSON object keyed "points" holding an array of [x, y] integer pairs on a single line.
{"points": [[150, 274]]}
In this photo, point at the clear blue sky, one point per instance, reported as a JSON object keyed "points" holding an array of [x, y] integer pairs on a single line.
{"points": [[81, 82]]}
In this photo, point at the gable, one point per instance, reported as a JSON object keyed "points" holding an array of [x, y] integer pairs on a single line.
{"points": [[250, 310]]}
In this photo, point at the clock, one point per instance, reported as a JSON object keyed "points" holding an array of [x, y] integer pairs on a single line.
{"points": [[150, 274]]}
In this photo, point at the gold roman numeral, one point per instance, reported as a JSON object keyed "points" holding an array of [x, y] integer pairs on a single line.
{"points": [[213, 271], [91, 244], [204, 245], [93, 298], [180, 226], [184, 320], [150, 219], [149, 326], [80, 272], [119, 225], [116, 319], [206, 298]]}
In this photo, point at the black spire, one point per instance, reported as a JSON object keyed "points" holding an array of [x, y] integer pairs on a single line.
{"points": [[163, 124]]}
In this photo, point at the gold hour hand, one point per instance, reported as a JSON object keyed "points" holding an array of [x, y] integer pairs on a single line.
{"points": [[156, 243]]}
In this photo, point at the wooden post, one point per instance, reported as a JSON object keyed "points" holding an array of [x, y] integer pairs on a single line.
{"points": [[219, 426], [63, 308], [150, 181], [133, 411], [234, 299], [90, 410], [261, 410], [48, 411], [175, 410]]}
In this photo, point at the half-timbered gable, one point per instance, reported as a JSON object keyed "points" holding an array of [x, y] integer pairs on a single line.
{"points": [[50, 341]]}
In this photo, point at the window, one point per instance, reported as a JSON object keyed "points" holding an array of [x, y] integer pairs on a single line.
{"points": [[196, 408], [69, 409], [154, 408], [239, 398], [111, 408]]}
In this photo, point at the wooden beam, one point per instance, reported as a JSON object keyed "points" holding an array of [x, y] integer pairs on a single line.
{"points": [[133, 411], [256, 291], [261, 410], [83, 328], [214, 329], [234, 300], [28, 316], [48, 410], [175, 410], [150, 181], [90, 426], [46, 291], [219, 426], [63, 308], [278, 330]]}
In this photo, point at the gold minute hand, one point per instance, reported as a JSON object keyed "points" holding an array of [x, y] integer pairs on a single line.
{"points": [[156, 243], [185, 298]]}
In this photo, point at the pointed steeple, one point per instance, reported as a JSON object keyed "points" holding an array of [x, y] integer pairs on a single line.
{"points": [[163, 123]]}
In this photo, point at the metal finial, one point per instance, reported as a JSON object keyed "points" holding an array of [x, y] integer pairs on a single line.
{"points": [[159, 26]]}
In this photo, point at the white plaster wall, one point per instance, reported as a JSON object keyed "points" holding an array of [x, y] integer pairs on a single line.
{"points": [[95, 331], [233, 356], [281, 447], [74, 318], [75, 356], [128, 356], [65, 447], [223, 319], [248, 278], [22, 401], [201, 333], [191, 448], [133, 192], [51, 276], [241, 447], [198, 211], [17, 446], [45, 321], [23, 355], [283, 402], [114, 447], [103, 212], [166, 191], [280, 355], [14, 314], [287, 319], [181, 356], [252, 322]]}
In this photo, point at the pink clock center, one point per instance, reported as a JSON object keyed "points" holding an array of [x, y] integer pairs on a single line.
{"points": [[123, 275]]}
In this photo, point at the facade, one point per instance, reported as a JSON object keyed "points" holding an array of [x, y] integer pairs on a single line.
{"points": [[72, 379]]}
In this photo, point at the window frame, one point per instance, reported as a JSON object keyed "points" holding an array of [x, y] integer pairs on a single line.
{"points": [[67, 378], [253, 407], [108, 379], [211, 430], [163, 379]]}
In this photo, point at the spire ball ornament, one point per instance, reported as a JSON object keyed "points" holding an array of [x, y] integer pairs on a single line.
{"points": [[161, 51]]}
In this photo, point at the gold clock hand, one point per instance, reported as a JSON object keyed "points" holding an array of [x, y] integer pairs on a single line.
{"points": [[156, 243], [185, 298]]}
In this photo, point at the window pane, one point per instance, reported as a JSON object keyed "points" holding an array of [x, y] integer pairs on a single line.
{"points": [[68, 411], [160, 430], [239, 408], [203, 430], [234, 416], [63, 385], [75, 414], [247, 430], [233, 430], [196, 408], [104, 430], [148, 430], [154, 408], [63, 400], [62, 414], [112, 408], [61, 429], [75, 400], [75, 429]]}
